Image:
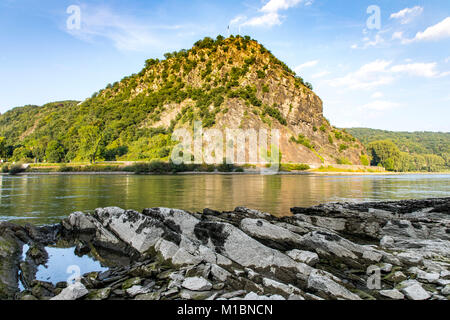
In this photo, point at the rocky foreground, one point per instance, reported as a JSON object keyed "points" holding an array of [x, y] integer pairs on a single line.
{"points": [[386, 250]]}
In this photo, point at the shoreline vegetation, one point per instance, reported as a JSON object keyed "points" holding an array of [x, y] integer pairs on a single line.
{"points": [[163, 168]]}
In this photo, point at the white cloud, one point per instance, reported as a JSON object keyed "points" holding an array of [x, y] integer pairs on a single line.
{"points": [[383, 72], [308, 64], [320, 74], [271, 12], [436, 32], [397, 35], [367, 42], [377, 95], [277, 5], [407, 15], [426, 70], [268, 20], [126, 32], [369, 76], [380, 105]]}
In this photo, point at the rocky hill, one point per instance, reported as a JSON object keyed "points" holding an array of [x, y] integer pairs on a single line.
{"points": [[226, 83]]}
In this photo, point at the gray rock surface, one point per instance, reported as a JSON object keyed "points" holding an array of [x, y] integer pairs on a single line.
{"points": [[330, 251]]}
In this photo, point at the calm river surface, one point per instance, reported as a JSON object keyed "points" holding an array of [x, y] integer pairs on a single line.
{"points": [[47, 199]]}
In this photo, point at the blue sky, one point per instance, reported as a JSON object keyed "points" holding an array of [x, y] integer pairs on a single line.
{"points": [[394, 77]]}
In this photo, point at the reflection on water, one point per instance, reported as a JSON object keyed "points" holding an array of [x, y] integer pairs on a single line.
{"points": [[46, 199]]}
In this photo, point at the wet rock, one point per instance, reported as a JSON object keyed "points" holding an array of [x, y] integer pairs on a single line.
{"points": [[72, 292]]}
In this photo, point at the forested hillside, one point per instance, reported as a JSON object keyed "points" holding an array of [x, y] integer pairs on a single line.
{"points": [[406, 151], [226, 83]]}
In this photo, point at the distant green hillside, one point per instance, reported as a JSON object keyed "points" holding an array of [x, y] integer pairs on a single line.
{"points": [[416, 151]]}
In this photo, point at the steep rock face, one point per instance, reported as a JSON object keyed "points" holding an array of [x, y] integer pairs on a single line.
{"points": [[232, 83]]}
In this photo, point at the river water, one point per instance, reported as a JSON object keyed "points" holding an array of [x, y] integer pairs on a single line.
{"points": [[46, 199]]}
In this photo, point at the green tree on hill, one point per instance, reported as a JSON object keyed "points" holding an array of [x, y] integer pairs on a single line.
{"points": [[384, 153], [90, 139]]}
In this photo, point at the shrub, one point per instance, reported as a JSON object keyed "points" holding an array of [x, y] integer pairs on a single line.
{"points": [[365, 160], [343, 147], [294, 167], [344, 160], [16, 169], [303, 141], [5, 168], [330, 139], [275, 113]]}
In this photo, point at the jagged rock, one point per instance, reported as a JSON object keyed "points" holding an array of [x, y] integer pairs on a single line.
{"points": [[416, 292], [428, 277], [233, 294], [197, 284], [72, 292], [307, 257], [255, 297], [397, 277], [100, 294], [323, 284], [386, 267], [136, 290], [273, 235], [322, 252], [392, 294], [446, 290], [410, 258], [387, 242], [280, 288], [195, 295]]}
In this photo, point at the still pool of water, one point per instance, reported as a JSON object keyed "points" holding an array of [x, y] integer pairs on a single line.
{"points": [[47, 199]]}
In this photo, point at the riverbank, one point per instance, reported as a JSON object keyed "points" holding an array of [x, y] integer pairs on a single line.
{"points": [[384, 250], [307, 172], [159, 167]]}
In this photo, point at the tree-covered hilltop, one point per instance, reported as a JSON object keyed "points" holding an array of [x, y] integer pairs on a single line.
{"points": [[234, 82], [406, 151]]}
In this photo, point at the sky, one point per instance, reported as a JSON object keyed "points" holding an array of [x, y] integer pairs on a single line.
{"points": [[378, 64]]}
